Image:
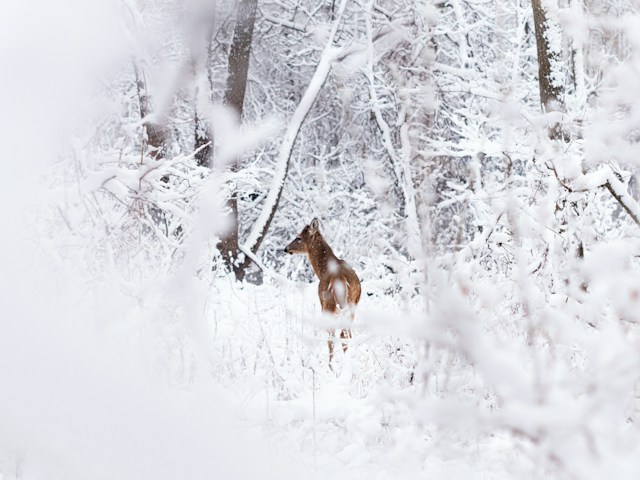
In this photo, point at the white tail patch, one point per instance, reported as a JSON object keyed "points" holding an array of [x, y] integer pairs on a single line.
{"points": [[340, 288], [332, 266]]}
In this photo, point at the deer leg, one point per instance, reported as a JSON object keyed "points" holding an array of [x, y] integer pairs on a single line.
{"points": [[328, 307], [344, 335], [330, 343]]}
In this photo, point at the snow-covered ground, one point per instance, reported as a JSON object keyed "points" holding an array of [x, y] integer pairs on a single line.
{"points": [[127, 382], [267, 348], [355, 422], [200, 377]]}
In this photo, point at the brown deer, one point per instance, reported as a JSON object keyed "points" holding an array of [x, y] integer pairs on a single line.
{"points": [[339, 288]]}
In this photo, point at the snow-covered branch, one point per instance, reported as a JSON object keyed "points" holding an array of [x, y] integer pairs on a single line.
{"points": [[330, 52], [401, 162], [605, 177]]}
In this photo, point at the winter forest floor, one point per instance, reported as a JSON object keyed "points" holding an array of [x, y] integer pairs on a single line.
{"points": [[357, 421], [353, 422], [252, 378], [180, 375]]}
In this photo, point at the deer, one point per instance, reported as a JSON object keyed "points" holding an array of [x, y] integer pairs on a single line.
{"points": [[339, 289]]}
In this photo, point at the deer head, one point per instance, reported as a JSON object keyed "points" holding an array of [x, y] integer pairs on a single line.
{"points": [[302, 242]]}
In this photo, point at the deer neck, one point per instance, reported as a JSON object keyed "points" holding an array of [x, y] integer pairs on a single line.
{"points": [[320, 256]]}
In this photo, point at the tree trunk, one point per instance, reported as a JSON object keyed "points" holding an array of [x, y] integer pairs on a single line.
{"points": [[156, 134], [234, 98], [239, 55], [203, 142], [549, 64], [201, 57]]}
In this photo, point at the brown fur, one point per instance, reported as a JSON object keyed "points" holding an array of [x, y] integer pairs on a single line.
{"points": [[339, 287]]}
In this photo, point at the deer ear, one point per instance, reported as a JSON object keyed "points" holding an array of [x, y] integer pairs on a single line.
{"points": [[314, 226]]}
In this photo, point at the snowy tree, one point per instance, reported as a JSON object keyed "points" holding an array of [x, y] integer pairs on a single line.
{"points": [[550, 61], [236, 84]]}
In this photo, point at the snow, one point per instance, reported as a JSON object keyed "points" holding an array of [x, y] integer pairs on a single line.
{"points": [[264, 370], [605, 177], [592, 180], [77, 404], [337, 424], [498, 331]]}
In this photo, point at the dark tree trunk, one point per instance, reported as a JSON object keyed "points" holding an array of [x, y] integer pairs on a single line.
{"points": [[156, 134], [239, 55], [203, 139], [155, 137], [203, 142], [551, 93], [234, 97]]}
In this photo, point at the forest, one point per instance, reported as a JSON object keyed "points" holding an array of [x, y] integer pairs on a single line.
{"points": [[475, 162]]}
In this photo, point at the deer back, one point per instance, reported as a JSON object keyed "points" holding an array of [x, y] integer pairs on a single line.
{"points": [[339, 283]]}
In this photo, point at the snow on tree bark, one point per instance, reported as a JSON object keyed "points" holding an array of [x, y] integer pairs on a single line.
{"points": [[239, 56], [550, 73]]}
